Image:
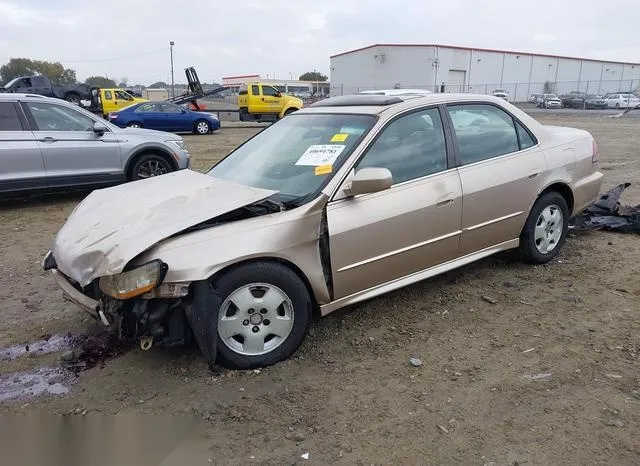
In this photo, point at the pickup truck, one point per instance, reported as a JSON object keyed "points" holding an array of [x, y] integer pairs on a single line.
{"points": [[42, 85], [105, 101], [262, 102]]}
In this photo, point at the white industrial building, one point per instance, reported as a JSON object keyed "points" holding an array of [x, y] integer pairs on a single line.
{"points": [[475, 70]]}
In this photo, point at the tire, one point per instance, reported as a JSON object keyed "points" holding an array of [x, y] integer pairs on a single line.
{"points": [[244, 114], [617, 106], [290, 111], [149, 165], [548, 223], [135, 124], [247, 323], [202, 127], [72, 98]]}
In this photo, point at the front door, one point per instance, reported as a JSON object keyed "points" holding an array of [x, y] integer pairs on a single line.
{"points": [[73, 153], [272, 99], [380, 237], [500, 168]]}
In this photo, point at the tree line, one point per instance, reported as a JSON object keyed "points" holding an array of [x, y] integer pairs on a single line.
{"points": [[58, 74]]}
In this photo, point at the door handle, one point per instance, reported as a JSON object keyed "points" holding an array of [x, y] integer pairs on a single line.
{"points": [[263, 99], [48, 139], [445, 200]]}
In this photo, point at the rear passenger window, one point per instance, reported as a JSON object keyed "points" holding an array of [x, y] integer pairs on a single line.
{"points": [[410, 147], [9, 119], [255, 90], [524, 137], [483, 132]]}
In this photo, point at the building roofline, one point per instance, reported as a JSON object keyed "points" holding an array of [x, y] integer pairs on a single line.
{"points": [[242, 76], [479, 49]]}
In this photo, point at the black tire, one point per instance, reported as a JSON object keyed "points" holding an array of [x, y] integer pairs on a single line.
{"points": [[153, 164], [617, 106], [290, 111], [202, 127], [72, 98], [270, 274], [528, 243], [244, 114], [134, 124]]}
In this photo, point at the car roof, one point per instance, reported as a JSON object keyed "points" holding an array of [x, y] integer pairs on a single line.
{"points": [[395, 92], [17, 96], [378, 104]]}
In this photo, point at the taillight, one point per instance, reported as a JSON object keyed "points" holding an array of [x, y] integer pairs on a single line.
{"points": [[112, 116], [595, 156]]}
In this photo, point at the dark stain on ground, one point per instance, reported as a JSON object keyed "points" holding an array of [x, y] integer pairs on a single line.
{"points": [[95, 351]]}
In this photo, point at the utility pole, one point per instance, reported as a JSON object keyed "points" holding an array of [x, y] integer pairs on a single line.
{"points": [[173, 89]]}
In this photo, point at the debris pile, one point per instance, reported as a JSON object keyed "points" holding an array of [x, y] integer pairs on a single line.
{"points": [[608, 214]]}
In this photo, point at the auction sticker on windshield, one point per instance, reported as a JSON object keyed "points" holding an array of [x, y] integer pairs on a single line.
{"points": [[321, 154]]}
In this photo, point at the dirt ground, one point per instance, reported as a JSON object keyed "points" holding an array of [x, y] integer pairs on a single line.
{"points": [[545, 373]]}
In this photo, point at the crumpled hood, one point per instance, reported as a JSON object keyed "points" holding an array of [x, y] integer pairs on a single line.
{"points": [[112, 226]]}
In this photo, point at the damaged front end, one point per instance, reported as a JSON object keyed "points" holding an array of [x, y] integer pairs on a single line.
{"points": [[135, 304]]}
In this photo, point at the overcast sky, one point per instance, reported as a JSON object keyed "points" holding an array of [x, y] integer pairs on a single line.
{"points": [[277, 37]]}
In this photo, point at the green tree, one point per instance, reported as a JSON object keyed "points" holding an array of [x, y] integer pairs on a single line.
{"points": [[313, 76], [159, 85], [57, 73], [100, 81]]}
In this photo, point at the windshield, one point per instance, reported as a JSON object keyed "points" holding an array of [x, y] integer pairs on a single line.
{"points": [[296, 155], [12, 82]]}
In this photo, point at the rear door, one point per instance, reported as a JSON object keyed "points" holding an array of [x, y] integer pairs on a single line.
{"points": [[500, 164], [73, 154], [20, 158]]}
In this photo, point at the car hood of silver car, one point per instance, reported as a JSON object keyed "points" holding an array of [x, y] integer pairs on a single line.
{"points": [[112, 226]]}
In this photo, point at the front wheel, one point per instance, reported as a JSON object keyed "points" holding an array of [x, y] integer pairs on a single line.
{"points": [[134, 124], [148, 166], [546, 229], [73, 99], [264, 315], [202, 127], [617, 106]]}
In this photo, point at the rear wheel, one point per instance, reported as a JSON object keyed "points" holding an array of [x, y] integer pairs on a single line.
{"points": [[263, 317], [202, 127], [617, 106], [149, 165], [546, 229], [72, 98]]}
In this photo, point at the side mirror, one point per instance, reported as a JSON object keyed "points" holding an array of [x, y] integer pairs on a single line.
{"points": [[370, 180], [99, 128], [279, 94]]}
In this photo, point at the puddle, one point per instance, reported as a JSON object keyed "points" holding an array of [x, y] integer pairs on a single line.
{"points": [[49, 344], [95, 351], [39, 382]]}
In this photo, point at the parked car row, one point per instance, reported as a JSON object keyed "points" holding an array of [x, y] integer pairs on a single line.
{"points": [[582, 100]]}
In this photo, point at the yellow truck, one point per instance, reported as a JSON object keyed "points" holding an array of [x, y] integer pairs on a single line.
{"points": [[262, 102], [105, 101]]}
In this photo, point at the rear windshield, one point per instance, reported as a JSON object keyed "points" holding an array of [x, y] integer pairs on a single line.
{"points": [[295, 156]]}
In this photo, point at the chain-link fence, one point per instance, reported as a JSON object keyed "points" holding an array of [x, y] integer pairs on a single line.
{"points": [[517, 92]]}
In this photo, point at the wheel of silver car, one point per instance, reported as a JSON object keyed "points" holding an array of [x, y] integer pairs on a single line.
{"points": [[263, 317], [255, 319], [546, 229], [135, 124], [202, 127], [150, 165]]}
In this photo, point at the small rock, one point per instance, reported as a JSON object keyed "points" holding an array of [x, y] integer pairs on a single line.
{"points": [[415, 362], [493, 389], [508, 284], [443, 429], [234, 413], [615, 423], [490, 300], [305, 456], [370, 338], [298, 437], [68, 356]]}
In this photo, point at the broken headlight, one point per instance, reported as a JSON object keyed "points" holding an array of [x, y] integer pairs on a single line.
{"points": [[133, 282]]}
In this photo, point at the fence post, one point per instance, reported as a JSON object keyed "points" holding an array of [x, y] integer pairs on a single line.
{"points": [[485, 88], [515, 94], [341, 89]]}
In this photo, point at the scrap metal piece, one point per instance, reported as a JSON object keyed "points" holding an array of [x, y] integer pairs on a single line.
{"points": [[608, 214]]}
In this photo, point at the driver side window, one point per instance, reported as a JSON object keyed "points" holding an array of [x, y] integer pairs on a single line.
{"points": [[411, 147], [270, 91], [51, 117]]}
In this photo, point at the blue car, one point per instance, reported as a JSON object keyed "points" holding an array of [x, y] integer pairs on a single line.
{"points": [[165, 116]]}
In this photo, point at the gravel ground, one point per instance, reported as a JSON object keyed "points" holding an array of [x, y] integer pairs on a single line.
{"points": [[519, 364]]}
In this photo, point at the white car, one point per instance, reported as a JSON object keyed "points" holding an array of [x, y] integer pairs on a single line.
{"points": [[396, 92], [622, 101], [502, 93]]}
